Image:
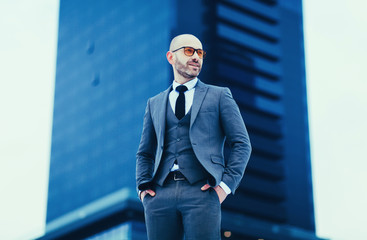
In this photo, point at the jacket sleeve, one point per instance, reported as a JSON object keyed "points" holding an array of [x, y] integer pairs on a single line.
{"points": [[145, 156], [237, 138]]}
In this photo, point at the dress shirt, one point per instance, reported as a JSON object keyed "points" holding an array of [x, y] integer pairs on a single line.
{"points": [[189, 94]]}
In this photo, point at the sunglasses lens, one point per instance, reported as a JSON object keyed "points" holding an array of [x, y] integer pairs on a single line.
{"points": [[189, 51], [200, 53]]}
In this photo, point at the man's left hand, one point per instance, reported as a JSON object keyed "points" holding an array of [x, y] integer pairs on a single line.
{"points": [[220, 192]]}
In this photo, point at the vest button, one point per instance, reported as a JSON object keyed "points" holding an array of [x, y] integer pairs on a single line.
{"points": [[178, 139]]}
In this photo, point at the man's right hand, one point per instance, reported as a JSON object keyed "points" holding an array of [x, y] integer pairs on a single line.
{"points": [[145, 192]]}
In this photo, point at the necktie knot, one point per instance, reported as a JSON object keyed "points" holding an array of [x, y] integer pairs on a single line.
{"points": [[181, 88]]}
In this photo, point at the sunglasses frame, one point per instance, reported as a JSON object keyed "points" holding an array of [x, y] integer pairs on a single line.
{"points": [[195, 50]]}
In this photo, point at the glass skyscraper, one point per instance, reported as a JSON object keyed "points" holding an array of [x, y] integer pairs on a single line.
{"points": [[111, 59]]}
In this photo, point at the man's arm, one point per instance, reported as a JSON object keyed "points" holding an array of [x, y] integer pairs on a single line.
{"points": [[238, 139], [145, 156]]}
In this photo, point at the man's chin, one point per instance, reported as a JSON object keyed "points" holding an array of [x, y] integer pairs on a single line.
{"points": [[193, 76], [194, 73], [190, 75]]}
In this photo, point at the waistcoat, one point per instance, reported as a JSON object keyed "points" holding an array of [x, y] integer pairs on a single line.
{"points": [[177, 148]]}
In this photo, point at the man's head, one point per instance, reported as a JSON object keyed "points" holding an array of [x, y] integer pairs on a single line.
{"points": [[185, 67]]}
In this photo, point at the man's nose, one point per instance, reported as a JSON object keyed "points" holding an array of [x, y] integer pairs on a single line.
{"points": [[195, 57]]}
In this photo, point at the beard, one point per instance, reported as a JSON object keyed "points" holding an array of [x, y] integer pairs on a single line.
{"points": [[186, 71]]}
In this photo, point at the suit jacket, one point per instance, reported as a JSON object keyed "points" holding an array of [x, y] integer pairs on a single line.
{"points": [[215, 117]]}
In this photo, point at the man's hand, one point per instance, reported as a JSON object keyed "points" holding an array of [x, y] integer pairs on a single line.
{"points": [[145, 192], [220, 192]]}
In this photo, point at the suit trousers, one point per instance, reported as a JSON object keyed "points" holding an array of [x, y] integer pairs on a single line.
{"points": [[180, 210]]}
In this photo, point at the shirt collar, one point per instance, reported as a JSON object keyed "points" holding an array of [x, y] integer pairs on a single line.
{"points": [[190, 84]]}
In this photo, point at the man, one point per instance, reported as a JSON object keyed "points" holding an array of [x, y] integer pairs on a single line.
{"points": [[181, 173]]}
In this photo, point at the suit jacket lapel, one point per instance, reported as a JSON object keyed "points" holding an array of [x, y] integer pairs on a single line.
{"points": [[200, 92]]}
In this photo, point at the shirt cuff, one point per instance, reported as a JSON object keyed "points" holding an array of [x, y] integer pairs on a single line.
{"points": [[225, 187]]}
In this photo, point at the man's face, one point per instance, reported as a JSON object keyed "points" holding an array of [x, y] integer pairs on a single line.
{"points": [[188, 67]]}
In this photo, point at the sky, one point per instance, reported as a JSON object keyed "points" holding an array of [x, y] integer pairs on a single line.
{"points": [[335, 44], [28, 40], [335, 50]]}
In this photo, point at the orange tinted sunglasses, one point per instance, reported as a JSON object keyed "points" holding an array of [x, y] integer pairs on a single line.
{"points": [[189, 51]]}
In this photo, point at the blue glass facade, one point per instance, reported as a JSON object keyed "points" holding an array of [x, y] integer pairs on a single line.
{"points": [[105, 73], [260, 56], [111, 59]]}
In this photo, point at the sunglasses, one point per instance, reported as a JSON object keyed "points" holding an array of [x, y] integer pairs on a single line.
{"points": [[189, 51]]}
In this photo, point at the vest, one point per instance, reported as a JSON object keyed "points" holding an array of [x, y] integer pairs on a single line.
{"points": [[177, 148]]}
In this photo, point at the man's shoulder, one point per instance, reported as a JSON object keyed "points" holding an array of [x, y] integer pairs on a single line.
{"points": [[215, 87], [156, 96], [159, 95]]}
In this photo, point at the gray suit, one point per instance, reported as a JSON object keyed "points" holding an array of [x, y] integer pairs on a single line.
{"points": [[215, 117]]}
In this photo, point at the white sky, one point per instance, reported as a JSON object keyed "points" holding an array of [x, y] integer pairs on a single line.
{"points": [[28, 38], [335, 42], [336, 37]]}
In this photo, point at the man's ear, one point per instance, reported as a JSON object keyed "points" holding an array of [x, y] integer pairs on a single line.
{"points": [[170, 57]]}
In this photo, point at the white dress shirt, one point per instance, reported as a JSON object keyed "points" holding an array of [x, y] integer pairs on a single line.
{"points": [[189, 97], [189, 94]]}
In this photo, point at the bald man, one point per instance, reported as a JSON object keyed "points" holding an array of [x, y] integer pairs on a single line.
{"points": [[182, 177]]}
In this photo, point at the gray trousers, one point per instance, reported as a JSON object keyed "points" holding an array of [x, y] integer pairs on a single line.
{"points": [[180, 210]]}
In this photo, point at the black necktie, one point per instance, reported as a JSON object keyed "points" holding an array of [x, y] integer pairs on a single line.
{"points": [[180, 102]]}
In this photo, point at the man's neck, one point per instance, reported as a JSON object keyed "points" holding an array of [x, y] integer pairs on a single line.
{"points": [[189, 84], [183, 80]]}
